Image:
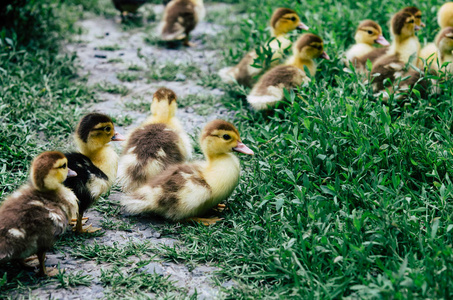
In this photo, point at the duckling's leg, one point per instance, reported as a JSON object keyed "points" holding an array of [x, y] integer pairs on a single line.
{"points": [[42, 266], [220, 207], [74, 221], [79, 226], [187, 43], [204, 221]]}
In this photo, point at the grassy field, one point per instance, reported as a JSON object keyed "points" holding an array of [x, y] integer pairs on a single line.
{"points": [[346, 197]]}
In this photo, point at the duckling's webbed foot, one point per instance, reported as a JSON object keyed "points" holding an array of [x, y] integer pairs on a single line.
{"points": [[220, 207], [205, 221], [74, 221], [81, 229], [187, 43]]}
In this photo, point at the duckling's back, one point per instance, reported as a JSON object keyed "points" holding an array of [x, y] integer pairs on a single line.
{"points": [[150, 150], [179, 20], [31, 219]]}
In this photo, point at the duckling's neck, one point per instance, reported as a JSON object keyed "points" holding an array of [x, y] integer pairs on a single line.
{"points": [[105, 158], [405, 47], [172, 121], [222, 175], [299, 62]]}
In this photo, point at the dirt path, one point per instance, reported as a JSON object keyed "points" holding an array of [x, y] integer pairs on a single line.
{"points": [[106, 53]]}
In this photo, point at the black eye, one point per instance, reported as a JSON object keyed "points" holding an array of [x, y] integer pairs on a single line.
{"points": [[226, 137], [293, 19], [370, 32], [107, 128], [411, 21], [63, 166]]}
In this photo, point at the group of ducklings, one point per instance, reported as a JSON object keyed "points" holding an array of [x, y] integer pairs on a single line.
{"points": [[154, 172], [389, 62]]}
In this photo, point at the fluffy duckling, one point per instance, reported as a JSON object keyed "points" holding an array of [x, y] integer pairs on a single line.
{"points": [[128, 6], [269, 89], [444, 19], [417, 13], [38, 212], [96, 163], [189, 190], [444, 45], [180, 18], [368, 33], [405, 44], [158, 143], [283, 21]]}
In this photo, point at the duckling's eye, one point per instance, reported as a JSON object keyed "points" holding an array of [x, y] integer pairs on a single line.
{"points": [[63, 166], [226, 137], [370, 32], [418, 17], [293, 19], [107, 128], [411, 21]]}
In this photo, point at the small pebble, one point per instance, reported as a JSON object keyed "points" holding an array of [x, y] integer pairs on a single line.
{"points": [[100, 56]]}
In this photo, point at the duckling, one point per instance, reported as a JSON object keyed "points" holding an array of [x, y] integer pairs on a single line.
{"points": [[96, 163], [189, 190], [368, 33], [269, 89], [283, 21], [180, 18], [128, 6], [444, 19], [37, 212], [405, 45], [158, 143], [417, 13], [444, 45]]}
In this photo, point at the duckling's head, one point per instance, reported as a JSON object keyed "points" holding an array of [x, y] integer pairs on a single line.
{"points": [[220, 137], [285, 20], [49, 170], [416, 13], [369, 32], [444, 41], [403, 25], [309, 46], [445, 15], [94, 131], [163, 107]]}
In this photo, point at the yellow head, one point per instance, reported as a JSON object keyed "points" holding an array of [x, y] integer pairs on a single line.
{"points": [[445, 15], [444, 41], [369, 32], [220, 137], [416, 13], [309, 46], [49, 170], [94, 131], [163, 107], [403, 25], [285, 20]]}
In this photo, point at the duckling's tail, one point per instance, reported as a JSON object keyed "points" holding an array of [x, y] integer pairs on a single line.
{"points": [[141, 201]]}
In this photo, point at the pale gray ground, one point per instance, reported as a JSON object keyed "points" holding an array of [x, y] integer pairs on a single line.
{"points": [[100, 32]]}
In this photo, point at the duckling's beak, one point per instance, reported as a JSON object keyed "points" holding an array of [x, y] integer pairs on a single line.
{"points": [[118, 137], [324, 55], [302, 26], [417, 28], [71, 173], [382, 41], [243, 149]]}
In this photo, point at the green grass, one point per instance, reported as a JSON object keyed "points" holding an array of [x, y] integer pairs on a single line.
{"points": [[112, 88]]}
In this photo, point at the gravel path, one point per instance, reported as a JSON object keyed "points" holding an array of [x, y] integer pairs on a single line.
{"points": [[105, 50]]}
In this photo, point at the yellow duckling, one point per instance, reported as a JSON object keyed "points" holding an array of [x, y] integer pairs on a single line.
{"points": [[417, 13], [405, 45], [158, 143], [368, 33], [444, 45], [34, 215], [190, 190], [269, 89], [283, 21], [96, 163], [180, 18], [444, 19]]}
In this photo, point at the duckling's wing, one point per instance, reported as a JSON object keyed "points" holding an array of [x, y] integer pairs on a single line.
{"points": [[179, 19]]}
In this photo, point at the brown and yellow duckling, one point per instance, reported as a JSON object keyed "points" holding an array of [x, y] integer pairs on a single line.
{"points": [[156, 144], [96, 163], [404, 46], [179, 19], [34, 215], [368, 33], [189, 190], [269, 89], [444, 53], [283, 21]]}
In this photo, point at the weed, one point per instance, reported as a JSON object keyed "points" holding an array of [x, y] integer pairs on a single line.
{"points": [[113, 88]]}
